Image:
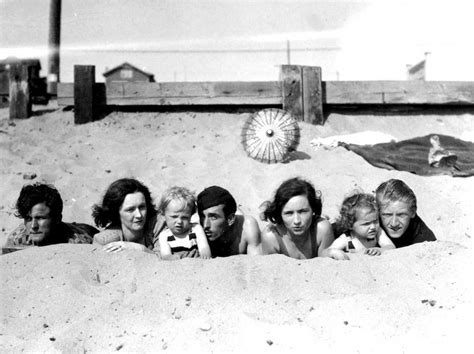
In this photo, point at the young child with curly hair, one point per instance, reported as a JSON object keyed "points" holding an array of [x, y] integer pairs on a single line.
{"points": [[359, 223], [181, 237]]}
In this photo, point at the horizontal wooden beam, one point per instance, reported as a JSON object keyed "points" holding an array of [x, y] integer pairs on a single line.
{"points": [[398, 92], [176, 93], [269, 93]]}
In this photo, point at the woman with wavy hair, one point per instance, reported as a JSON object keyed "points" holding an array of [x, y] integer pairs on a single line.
{"points": [[296, 228], [127, 215]]}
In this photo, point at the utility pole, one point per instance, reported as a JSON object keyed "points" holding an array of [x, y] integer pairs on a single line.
{"points": [[288, 53], [54, 45]]}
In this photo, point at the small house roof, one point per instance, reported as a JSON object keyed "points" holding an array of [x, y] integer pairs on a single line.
{"points": [[126, 66]]}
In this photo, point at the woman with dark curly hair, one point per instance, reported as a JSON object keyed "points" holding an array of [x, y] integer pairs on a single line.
{"points": [[296, 228], [359, 224], [128, 215]]}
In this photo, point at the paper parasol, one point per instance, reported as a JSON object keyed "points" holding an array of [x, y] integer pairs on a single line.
{"points": [[270, 135]]}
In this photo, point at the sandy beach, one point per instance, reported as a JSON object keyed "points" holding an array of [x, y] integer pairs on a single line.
{"points": [[76, 298]]}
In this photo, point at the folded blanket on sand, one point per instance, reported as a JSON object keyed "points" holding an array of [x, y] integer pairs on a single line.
{"points": [[412, 155]]}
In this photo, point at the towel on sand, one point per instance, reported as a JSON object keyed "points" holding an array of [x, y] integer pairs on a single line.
{"points": [[412, 155]]}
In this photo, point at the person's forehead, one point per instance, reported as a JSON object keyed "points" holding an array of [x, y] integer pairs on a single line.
{"points": [[132, 199], [178, 206], [296, 202], [216, 209], [365, 214], [40, 209], [396, 206]]}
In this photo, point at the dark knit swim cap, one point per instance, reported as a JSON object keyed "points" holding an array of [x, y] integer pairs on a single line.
{"points": [[212, 196]]}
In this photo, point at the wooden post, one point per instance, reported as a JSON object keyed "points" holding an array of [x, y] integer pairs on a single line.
{"points": [[84, 80], [20, 96], [302, 92], [312, 95], [291, 88]]}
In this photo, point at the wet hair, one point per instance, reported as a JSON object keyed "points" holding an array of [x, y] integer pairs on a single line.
{"points": [[32, 194], [395, 190], [215, 195], [107, 213], [288, 189], [184, 195], [348, 213]]}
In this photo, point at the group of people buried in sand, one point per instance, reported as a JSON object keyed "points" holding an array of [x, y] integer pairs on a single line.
{"points": [[128, 219]]}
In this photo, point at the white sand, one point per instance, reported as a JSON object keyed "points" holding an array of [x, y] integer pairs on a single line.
{"points": [[271, 303]]}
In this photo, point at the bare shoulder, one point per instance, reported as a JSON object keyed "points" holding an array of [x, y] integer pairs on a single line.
{"points": [[324, 225], [324, 231], [250, 225]]}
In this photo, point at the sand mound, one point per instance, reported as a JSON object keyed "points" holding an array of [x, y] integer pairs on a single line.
{"points": [[71, 298]]}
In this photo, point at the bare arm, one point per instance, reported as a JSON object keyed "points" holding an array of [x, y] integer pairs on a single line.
{"points": [[339, 243], [203, 245], [165, 249], [270, 243], [325, 238], [118, 246], [251, 235]]}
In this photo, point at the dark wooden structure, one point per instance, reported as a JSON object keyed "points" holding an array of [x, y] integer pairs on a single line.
{"points": [[127, 73], [299, 91]]}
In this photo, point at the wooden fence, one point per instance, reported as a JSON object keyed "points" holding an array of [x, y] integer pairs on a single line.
{"points": [[299, 91]]}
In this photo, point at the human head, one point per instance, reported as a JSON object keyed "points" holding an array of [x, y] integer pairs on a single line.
{"points": [[216, 208], [178, 204], [40, 206], [288, 189], [397, 203], [353, 207], [181, 194], [395, 190], [107, 213]]}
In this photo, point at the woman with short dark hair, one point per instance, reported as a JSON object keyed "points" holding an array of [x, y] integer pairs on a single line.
{"points": [[296, 228]]}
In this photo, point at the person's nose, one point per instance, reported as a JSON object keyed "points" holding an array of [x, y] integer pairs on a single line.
{"points": [[394, 220], [34, 224], [297, 219], [206, 223], [138, 213]]}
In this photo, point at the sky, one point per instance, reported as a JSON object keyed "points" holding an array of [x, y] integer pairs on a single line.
{"points": [[235, 40]]}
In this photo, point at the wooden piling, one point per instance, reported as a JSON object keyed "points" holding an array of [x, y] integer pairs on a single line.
{"points": [[292, 90], [84, 81], [20, 94], [302, 92], [312, 95]]}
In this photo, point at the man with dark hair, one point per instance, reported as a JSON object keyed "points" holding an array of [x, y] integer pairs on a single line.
{"points": [[40, 206], [228, 232]]}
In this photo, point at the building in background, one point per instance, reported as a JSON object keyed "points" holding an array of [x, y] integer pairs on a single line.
{"points": [[36, 82], [127, 73]]}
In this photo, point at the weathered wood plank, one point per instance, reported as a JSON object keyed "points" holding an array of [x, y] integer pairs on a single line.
{"points": [[84, 80], [292, 90], [20, 97], [312, 95], [334, 92], [244, 93], [399, 92]]}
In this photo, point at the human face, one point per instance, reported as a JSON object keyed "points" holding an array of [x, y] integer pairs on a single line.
{"points": [[133, 213], [39, 223], [366, 225], [396, 217], [178, 217], [214, 222], [297, 215]]}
